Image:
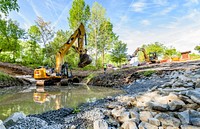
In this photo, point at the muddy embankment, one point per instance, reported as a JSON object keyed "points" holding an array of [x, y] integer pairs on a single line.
{"points": [[9, 73], [126, 76]]}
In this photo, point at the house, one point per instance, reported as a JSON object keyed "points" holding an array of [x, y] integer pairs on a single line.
{"points": [[185, 55]]}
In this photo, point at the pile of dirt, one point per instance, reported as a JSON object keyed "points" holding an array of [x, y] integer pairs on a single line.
{"points": [[15, 69]]}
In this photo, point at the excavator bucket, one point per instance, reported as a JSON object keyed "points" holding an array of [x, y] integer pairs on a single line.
{"points": [[85, 59]]}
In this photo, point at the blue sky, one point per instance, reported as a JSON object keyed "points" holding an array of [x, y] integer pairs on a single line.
{"points": [[171, 22]]}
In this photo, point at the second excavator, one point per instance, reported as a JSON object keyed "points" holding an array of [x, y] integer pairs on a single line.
{"points": [[151, 58], [44, 78]]}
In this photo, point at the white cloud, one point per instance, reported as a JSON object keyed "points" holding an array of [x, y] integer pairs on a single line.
{"points": [[138, 6], [194, 1], [160, 2], [27, 21], [167, 10], [191, 2], [51, 5], [183, 38], [145, 22], [62, 15], [34, 8], [124, 18], [192, 17]]}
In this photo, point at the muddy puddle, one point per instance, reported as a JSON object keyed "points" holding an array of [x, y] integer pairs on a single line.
{"points": [[34, 100]]}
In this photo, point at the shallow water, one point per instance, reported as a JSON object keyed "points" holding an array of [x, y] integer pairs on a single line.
{"points": [[36, 100]]}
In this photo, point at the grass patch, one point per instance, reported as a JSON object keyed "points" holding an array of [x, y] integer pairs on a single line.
{"points": [[148, 73], [89, 77], [76, 110], [5, 77]]}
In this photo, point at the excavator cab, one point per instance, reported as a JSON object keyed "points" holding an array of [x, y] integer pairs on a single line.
{"points": [[153, 57]]}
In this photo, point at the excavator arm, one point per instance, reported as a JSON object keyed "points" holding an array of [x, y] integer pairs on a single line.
{"points": [[41, 74], [143, 51], [85, 59], [152, 57]]}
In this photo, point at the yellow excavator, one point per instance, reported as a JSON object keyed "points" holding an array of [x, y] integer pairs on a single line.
{"points": [[43, 77], [151, 58]]}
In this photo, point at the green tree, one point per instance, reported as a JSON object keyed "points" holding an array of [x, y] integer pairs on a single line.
{"points": [[8, 5], [78, 13], [96, 20], [106, 38], [118, 53], [194, 56], [170, 52], [46, 31], [46, 35], [155, 47], [10, 34], [197, 48], [32, 52]]}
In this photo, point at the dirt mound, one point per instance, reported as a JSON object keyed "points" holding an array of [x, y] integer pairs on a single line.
{"points": [[15, 69]]}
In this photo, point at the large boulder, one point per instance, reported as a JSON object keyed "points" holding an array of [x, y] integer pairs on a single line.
{"points": [[158, 106], [129, 125], [144, 99], [145, 125], [117, 112], [194, 117], [145, 115], [154, 121], [194, 95], [1, 125], [176, 105], [134, 114], [100, 124], [189, 127], [195, 121], [123, 117], [184, 78], [167, 120], [184, 117], [12, 120], [170, 102], [197, 84], [30, 123]]}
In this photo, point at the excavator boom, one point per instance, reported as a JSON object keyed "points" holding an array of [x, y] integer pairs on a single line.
{"points": [[84, 58], [79, 35], [152, 57]]}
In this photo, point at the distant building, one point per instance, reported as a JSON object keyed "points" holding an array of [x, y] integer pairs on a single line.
{"points": [[185, 55]]}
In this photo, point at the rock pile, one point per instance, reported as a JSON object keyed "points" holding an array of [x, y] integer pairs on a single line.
{"points": [[173, 105], [48, 120]]}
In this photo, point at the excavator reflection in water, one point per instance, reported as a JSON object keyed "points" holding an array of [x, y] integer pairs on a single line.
{"points": [[56, 97], [41, 74], [41, 96]]}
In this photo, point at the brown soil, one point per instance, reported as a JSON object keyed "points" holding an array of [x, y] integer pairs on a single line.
{"points": [[15, 69]]}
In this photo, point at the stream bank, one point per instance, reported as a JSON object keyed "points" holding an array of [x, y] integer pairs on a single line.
{"points": [[165, 100], [9, 81]]}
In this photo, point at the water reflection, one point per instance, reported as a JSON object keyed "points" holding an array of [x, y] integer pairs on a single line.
{"points": [[41, 96], [40, 99]]}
